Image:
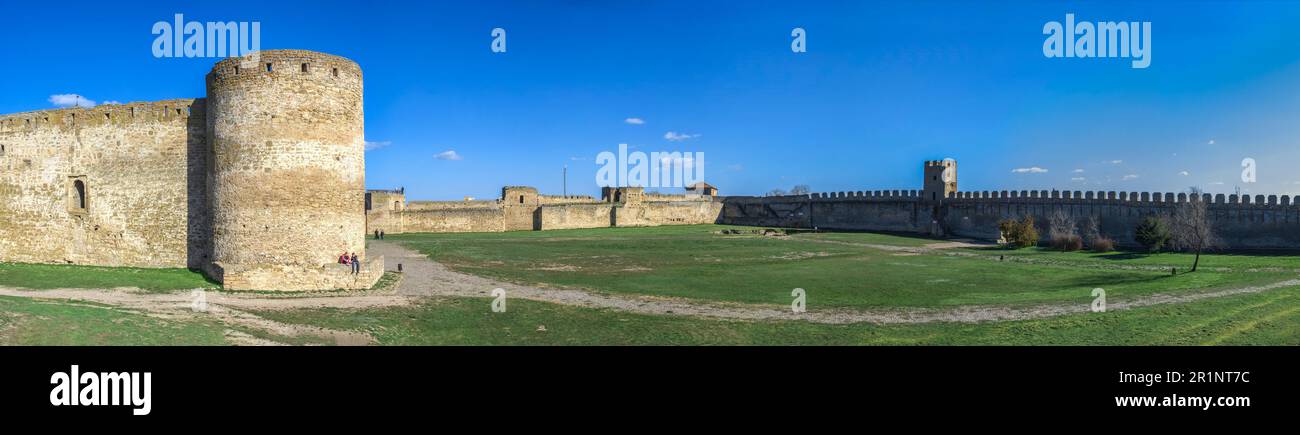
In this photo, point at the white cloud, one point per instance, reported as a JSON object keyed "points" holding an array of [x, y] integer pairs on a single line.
{"points": [[447, 155], [1211, 142], [736, 167], [374, 145], [1220, 183], [1184, 173], [677, 137], [71, 100], [1116, 162], [577, 159], [1029, 170], [634, 121], [684, 161], [111, 102], [1130, 177], [1078, 179], [1077, 171]]}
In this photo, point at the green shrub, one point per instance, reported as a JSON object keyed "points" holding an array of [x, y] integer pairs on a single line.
{"points": [[1019, 233], [1152, 233]]}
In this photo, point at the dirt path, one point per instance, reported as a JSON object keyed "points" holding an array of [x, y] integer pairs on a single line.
{"points": [[422, 277]]}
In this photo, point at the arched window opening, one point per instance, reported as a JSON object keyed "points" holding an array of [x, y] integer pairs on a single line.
{"points": [[79, 198], [397, 206]]}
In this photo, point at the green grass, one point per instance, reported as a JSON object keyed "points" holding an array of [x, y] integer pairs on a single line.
{"points": [[1288, 261], [48, 276], [28, 322], [696, 262], [1271, 318]]}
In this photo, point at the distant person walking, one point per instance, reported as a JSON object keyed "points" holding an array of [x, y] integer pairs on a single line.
{"points": [[376, 234], [381, 235], [356, 265]]}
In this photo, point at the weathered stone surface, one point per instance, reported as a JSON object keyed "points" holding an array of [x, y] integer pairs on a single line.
{"points": [[261, 184]]}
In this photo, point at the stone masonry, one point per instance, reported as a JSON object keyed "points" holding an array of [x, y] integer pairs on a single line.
{"points": [[938, 209], [260, 184]]}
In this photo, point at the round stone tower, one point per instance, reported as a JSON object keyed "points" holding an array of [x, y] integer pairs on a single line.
{"points": [[287, 178]]}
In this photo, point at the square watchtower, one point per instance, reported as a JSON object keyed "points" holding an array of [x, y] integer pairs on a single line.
{"points": [[940, 179]]}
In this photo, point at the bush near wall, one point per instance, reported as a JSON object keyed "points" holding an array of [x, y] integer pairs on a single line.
{"points": [[1019, 233]]}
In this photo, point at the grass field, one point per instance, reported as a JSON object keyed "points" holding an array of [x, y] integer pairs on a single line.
{"points": [[47, 276], [31, 322], [838, 270], [1258, 319], [697, 262]]}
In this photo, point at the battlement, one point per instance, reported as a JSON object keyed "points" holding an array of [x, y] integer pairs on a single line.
{"points": [[285, 63], [940, 163], [168, 111], [1114, 197]]}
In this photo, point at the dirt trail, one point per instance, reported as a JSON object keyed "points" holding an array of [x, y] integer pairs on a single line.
{"points": [[422, 277]]}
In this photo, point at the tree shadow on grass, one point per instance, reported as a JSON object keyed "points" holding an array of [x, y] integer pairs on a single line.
{"points": [[1112, 280]]}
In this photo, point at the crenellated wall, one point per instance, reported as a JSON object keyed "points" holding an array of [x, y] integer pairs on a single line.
{"points": [[1258, 222], [1243, 222], [881, 210]]}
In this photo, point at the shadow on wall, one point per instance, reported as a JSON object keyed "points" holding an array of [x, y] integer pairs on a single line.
{"points": [[198, 218]]}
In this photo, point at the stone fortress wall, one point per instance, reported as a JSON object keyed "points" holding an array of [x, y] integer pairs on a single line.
{"points": [[938, 209], [521, 208], [1243, 222], [260, 184], [141, 168]]}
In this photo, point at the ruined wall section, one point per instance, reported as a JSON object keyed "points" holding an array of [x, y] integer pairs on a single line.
{"points": [[384, 211], [143, 169], [462, 219], [288, 174], [1243, 222], [572, 216], [655, 213]]}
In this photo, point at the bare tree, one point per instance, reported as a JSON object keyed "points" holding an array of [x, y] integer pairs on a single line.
{"points": [[801, 189], [1060, 225], [1091, 228], [1190, 227]]}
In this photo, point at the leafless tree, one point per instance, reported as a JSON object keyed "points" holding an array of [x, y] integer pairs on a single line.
{"points": [[801, 189], [1190, 227], [1091, 228], [1060, 225]]}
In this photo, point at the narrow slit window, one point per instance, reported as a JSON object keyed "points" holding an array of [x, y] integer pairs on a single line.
{"points": [[304, 67], [336, 72], [268, 67], [236, 69]]}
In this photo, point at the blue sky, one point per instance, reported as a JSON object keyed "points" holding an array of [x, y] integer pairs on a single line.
{"points": [[882, 87]]}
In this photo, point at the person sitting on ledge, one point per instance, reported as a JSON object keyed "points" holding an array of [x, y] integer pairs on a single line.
{"points": [[356, 265], [343, 259]]}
